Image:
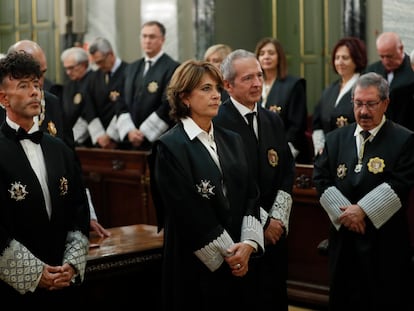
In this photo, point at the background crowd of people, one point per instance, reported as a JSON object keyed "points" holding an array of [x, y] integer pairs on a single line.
{"points": [[224, 134]]}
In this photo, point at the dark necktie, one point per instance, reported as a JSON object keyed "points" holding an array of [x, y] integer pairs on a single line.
{"points": [[250, 117], [147, 67], [365, 135], [35, 137]]}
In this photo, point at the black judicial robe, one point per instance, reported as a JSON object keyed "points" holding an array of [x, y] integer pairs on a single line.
{"points": [[26, 219], [270, 179], [369, 271], [288, 98], [145, 95], [192, 221], [108, 99], [327, 116]]}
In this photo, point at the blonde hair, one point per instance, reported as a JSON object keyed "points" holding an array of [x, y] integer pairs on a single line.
{"points": [[222, 49]]}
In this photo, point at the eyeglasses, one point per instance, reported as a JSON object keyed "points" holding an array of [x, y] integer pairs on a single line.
{"points": [[70, 68], [369, 105]]}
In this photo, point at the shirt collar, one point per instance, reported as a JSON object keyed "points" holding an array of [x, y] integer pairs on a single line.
{"points": [[193, 130], [155, 58], [373, 131], [241, 108], [16, 126]]}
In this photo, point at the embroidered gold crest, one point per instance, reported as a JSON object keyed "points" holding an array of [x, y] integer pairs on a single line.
{"points": [[77, 99], [376, 165], [341, 171], [341, 121], [205, 189], [275, 108], [51, 128], [18, 191], [113, 95], [63, 187], [152, 87], [272, 157]]}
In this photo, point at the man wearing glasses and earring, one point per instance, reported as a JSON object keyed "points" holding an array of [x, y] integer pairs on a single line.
{"points": [[363, 177]]}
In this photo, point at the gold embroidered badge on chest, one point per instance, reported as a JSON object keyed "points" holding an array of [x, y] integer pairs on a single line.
{"points": [[376, 165], [63, 187], [152, 87]]}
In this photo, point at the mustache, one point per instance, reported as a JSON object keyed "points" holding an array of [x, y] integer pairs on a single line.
{"points": [[365, 116]]}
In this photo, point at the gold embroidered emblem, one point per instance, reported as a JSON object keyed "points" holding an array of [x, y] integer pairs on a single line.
{"points": [[205, 189], [18, 191], [51, 128], [272, 157], [113, 95], [376, 165], [341, 171], [63, 186], [77, 99], [341, 121], [275, 108], [152, 87]]}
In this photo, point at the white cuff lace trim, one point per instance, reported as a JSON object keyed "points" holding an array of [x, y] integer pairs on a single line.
{"points": [[281, 208], [20, 268], [77, 246], [212, 254]]}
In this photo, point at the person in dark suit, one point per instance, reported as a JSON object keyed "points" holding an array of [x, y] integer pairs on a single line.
{"points": [[75, 96], [273, 169], [334, 109], [51, 118], [206, 200], [74, 100], [145, 89], [44, 225], [363, 178], [284, 94], [395, 66], [106, 90]]}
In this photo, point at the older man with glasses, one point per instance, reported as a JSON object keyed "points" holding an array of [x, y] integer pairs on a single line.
{"points": [[363, 177]]}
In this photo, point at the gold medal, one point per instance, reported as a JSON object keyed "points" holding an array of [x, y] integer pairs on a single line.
{"points": [[275, 108], [272, 157], [376, 165], [77, 99], [341, 171], [152, 87], [113, 95], [51, 128], [341, 121]]}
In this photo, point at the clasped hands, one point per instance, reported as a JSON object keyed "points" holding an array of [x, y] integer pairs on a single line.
{"points": [[238, 258], [57, 277], [353, 218]]}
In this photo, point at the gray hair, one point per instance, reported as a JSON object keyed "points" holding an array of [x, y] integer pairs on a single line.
{"points": [[227, 68], [102, 45], [79, 54], [373, 79]]}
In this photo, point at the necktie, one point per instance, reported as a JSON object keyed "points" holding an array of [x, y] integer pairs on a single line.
{"points": [[365, 135], [250, 117], [147, 66], [107, 76], [35, 137]]}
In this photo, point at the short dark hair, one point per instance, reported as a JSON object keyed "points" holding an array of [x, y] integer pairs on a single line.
{"points": [[19, 65], [357, 50], [184, 80], [156, 23]]}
